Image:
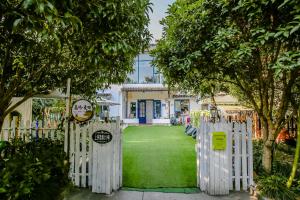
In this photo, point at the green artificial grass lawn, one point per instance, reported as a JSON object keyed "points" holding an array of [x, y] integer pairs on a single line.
{"points": [[158, 157]]}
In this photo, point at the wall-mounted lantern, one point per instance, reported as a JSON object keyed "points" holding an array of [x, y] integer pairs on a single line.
{"points": [[214, 113]]}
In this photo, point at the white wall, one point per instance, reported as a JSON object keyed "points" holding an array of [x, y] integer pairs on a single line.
{"points": [[194, 106], [152, 95], [25, 109]]}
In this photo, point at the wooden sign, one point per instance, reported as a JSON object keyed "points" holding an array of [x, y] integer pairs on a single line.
{"points": [[82, 110], [102, 136], [219, 141]]}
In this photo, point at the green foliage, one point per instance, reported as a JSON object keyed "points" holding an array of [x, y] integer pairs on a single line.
{"points": [[44, 42], [195, 118], [275, 187], [34, 170], [252, 47], [38, 106], [257, 156]]}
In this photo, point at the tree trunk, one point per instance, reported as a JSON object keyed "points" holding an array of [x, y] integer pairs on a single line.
{"points": [[267, 158], [268, 152], [3, 108], [1, 121], [297, 155]]}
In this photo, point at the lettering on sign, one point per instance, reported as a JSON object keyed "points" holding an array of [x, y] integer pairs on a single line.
{"points": [[102, 136], [82, 110], [219, 141]]}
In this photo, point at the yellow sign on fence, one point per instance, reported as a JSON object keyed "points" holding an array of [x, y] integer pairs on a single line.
{"points": [[219, 141]]}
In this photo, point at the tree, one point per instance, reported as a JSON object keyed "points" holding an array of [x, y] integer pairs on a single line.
{"points": [[241, 44], [44, 42]]}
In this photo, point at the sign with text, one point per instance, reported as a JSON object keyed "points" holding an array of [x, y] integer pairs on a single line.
{"points": [[102, 136], [219, 141], [82, 110]]}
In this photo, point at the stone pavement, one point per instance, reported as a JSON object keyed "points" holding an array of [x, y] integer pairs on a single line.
{"points": [[85, 194]]}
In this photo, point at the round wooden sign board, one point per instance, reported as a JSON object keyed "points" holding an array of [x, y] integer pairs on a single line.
{"points": [[82, 110]]}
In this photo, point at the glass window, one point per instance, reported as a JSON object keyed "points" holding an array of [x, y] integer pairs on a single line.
{"points": [[157, 109], [181, 107], [132, 110], [144, 72], [145, 69], [142, 109]]}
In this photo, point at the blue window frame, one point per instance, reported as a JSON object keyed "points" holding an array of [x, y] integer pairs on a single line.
{"points": [[156, 109]]}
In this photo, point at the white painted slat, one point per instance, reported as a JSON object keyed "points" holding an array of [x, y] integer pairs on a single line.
{"points": [[109, 168], [237, 163], [83, 142], [216, 165], [199, 156], [119, 153], [77, 155], [229, 149], [224, 159], [211, 163], [198, 144], [250, 151], [201, 149], [66, 137], [72, 152], [95, 187], [90, 152], [244, 157], [121, 158], [207, 157]]}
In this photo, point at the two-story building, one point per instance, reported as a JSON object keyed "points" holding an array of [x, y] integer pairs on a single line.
{"points": [[144, 99]]}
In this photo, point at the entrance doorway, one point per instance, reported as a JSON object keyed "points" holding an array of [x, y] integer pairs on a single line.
{"points": [[142, 111]]}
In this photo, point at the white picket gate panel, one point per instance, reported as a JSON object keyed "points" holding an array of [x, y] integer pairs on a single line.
{"points": [[98, 166], [219, 171]]}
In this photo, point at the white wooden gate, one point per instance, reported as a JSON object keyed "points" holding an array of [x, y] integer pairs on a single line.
{"points": [[219, 171], [94, 165]]}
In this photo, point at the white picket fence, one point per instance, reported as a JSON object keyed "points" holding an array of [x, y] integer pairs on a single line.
{"points": [[94, 165], [28, 131], [219, 171]]}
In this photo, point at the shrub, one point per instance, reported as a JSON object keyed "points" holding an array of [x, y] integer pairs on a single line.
{"points": [[34, 170], [257, 156], [275, 187]]}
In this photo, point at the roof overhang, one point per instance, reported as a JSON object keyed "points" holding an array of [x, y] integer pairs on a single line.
{"points": [[144, 87]]}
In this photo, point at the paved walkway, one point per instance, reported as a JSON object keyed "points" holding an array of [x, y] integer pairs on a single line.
{"points": [[86, 194]]}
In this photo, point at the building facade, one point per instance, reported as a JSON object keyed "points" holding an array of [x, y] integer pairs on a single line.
{"points": [[144, 99]]}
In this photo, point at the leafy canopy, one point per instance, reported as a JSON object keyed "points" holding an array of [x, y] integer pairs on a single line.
{"points": [[44, 42], [252, 47]]}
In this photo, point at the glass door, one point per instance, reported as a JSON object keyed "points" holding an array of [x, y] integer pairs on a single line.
{"points": [[142, 111]]}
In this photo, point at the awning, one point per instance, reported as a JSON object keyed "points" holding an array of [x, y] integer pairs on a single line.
{"points": [[107, 102], [144, 87], [233, 109]]}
